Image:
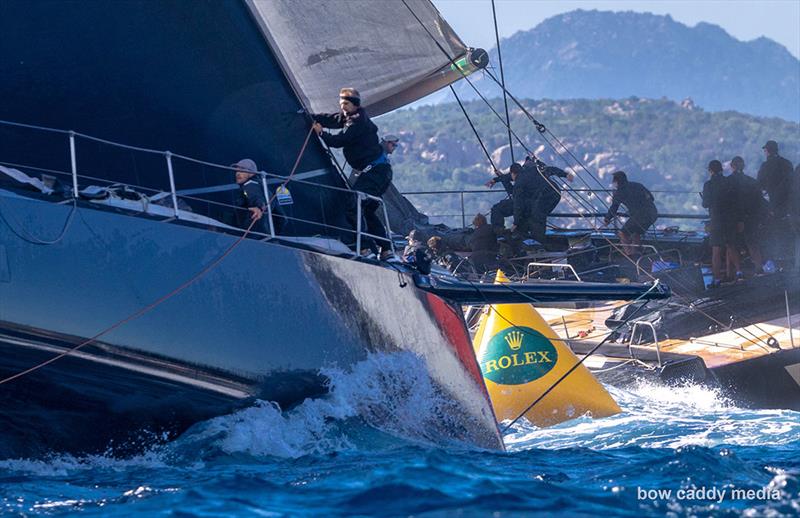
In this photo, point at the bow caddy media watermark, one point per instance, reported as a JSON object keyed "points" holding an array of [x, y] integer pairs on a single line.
{"points": [[709, 494]]}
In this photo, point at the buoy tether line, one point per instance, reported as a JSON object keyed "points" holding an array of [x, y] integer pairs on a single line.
{"points": [[169, 295]]}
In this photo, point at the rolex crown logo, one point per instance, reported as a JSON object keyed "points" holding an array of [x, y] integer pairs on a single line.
{"points": [[514, 340]]}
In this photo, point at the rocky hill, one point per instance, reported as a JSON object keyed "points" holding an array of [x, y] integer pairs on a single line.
{"points": [[595, 54], [662, 143]]}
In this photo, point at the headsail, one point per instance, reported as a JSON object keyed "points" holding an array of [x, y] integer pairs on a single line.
{"points": [[378, 47]]}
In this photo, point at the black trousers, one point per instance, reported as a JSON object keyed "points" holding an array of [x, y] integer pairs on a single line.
{"points": [[373, 182], [500, 211]]}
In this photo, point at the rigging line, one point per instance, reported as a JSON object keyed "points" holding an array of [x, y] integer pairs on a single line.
{"points": [[29, 237], [474, 130], [541, 128], [482, 97], [572, 369], [163, 298], [503, 79]]}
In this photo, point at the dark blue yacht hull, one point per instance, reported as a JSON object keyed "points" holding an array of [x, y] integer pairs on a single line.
{"points": [[259, 325]]}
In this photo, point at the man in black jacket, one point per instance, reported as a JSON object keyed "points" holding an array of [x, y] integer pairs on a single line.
{"points": [[718, 198], [503, 208], [362, 150], [547, 198], [483, 245], [774, 176], [250, 197], [642, 212], [750, 208]]}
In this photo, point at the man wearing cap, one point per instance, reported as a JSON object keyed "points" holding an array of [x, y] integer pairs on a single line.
{"points": [[389, 144], [358, 139], [642, 212], [414, 244], [774, 176], [250, 196]]}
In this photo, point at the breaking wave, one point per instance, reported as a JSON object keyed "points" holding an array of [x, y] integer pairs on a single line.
{"points": [[378, 400]]}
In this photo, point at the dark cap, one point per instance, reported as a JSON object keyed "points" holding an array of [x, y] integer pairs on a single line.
{"points": [[619, 177], [394, 139], [771, 146], [715, 166], [515, 168]]}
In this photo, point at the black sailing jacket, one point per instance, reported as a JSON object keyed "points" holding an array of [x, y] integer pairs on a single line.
{"points": [[358, 138]]}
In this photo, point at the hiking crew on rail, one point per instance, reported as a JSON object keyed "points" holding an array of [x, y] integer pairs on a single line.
{"points": [[372, 173]]}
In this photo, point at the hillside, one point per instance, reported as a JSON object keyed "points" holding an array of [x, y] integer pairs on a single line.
{"points": [[596, 54], [664, 144]]}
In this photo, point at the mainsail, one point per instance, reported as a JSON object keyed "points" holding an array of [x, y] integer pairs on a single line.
{"points": [[393, 51]]}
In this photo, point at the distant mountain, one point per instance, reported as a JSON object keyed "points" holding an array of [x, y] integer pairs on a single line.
{"points": [[597, 54], [664, 144]]}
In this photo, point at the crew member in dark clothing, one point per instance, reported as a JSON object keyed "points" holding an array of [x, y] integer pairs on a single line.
{"points": [[250, 197], [527, 188], [749, 209], [483, 244], [504, 208], [549, 195], [774, 176], [642, 212], [362, 150], [718, 197], [414, 244]]}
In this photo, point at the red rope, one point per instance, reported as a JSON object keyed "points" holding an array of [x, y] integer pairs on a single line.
{"points": [[166, 297]]}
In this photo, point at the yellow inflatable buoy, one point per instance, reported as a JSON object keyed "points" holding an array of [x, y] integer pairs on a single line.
{"points": [[521, 356]]}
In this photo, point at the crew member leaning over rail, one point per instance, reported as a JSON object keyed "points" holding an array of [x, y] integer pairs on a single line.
{"points": [[363, 151], [642, 212]]}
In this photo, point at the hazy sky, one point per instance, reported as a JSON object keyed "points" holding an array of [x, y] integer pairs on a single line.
{"points": [[745, 20]]}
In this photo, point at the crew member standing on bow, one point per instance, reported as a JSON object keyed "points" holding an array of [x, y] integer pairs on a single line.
{"points": [[642, 212], [775, 177], [358, 139], [548, 194]]}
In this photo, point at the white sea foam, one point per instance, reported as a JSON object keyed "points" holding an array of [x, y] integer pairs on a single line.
{"points": [[659, 416], [374, 401], [391, 393]]}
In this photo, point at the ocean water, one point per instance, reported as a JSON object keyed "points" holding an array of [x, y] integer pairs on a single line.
{"points": [[364, 451]]}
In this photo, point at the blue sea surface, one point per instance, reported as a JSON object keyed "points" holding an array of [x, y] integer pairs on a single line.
{"points": [[363, 450]]}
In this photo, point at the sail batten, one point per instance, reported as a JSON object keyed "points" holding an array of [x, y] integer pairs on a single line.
{"points": [[376, 46]]}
